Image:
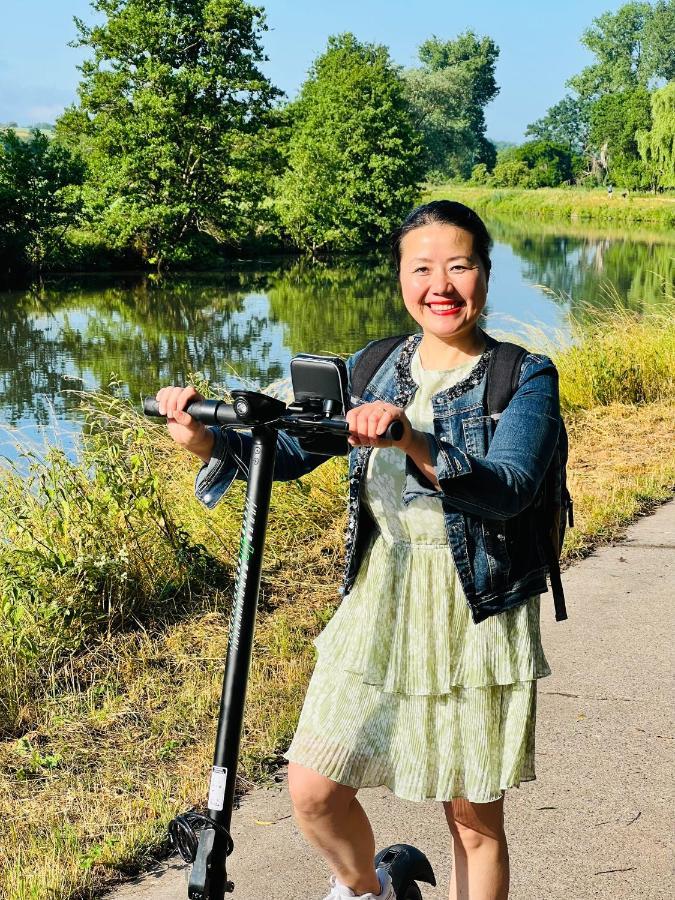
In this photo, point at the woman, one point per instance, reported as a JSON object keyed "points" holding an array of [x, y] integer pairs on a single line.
{"points": [[426, 675]]}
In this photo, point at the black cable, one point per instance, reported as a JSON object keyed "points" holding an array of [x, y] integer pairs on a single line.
{"points": [[183, 834]]}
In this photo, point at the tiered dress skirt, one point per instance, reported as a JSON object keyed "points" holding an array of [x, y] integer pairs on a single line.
{"points": [[407, 691]]}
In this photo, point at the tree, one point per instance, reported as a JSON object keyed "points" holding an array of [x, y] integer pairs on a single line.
{"points": [[615, 119], [632, 47], [354, 156], [448, 96], [510, 172], [39, 199], [657, 145], [550, 164], [659, 41], [174, 114], [567, 123], [616, 41]]}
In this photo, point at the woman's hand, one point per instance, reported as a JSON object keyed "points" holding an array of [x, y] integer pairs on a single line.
{"points": [[185, 430], [370, 420]]}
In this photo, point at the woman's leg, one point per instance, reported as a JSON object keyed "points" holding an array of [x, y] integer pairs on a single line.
{"points": [[480, 868], [333, 820]]}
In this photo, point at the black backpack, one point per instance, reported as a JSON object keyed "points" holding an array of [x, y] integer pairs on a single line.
{"points": [[553, 500]]}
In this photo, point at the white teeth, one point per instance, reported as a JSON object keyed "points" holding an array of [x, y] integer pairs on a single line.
{"points": [[443, 306]]}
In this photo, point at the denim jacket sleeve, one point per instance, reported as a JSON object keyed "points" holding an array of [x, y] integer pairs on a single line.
{"points": [[231, 456], [506, 480]]}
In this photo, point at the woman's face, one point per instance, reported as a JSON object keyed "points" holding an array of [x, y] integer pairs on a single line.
{"points": [[443, 282]]}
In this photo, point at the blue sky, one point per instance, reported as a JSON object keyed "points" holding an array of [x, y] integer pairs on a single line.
{"points": [[539, 43]]}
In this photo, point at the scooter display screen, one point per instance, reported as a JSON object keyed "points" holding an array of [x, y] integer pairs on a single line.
{"points": [[320, 387]]}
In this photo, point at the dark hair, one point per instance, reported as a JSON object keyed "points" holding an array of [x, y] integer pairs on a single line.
{"points": [[445, 212]]}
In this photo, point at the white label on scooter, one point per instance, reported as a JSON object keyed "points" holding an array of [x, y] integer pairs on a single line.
{"points": [[217, 789]]}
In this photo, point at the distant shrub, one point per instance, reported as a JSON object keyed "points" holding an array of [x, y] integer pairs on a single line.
{"points": [[480, 174]]}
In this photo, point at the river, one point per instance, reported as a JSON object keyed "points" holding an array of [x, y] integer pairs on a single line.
{"points": [[243, 325]]}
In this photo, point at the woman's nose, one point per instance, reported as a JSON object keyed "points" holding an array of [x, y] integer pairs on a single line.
{"points": [[441, 282]]}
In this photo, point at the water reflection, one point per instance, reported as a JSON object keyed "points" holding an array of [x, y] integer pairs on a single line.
{"points": [[243, 326], [337, 308], [586, 271]]}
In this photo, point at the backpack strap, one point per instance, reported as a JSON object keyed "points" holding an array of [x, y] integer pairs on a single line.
{"points": [[503, 375], [370, 360], [557, 588]]}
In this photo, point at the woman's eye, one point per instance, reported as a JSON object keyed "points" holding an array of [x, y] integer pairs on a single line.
{"points": [[420, 270], [458, 268]]}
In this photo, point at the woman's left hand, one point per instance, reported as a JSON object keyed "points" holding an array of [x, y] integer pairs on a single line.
{"points": [[370, 420]]}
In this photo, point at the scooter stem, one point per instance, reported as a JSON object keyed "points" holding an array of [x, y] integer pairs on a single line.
{"points": [[208, 880]]}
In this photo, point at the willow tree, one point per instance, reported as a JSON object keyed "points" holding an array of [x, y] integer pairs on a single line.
{"points": [[173, 114], [354, 156], [657, 145]]}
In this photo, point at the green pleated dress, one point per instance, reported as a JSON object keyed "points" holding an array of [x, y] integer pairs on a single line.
{"points": [[407, 691]]}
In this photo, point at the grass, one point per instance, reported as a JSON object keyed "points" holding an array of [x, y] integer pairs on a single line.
{"points": [[115, 601], [562, 204]]}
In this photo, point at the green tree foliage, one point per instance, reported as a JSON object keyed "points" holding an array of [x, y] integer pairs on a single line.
{"points": [[174, 114], [535, 164], [567, 123], [448, 96], [40, 199], [615, 39], [354, 156], [657, 146], [615, 119], [659, 41], [632, 46]]}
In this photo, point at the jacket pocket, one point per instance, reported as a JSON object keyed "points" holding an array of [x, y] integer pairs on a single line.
{"points": [[496, 552], [478, 433]]}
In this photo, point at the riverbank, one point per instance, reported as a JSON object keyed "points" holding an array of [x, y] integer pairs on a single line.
{"points": [[562, 204], [116, 596]]}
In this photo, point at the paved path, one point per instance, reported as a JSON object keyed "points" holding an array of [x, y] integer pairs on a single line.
{"points": [[597, 822]]}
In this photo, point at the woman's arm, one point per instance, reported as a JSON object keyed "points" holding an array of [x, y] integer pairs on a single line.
{"points": [[225, 452], [505, 481]]}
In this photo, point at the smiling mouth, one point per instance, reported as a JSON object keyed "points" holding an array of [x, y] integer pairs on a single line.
{"points": [[448, 306]]}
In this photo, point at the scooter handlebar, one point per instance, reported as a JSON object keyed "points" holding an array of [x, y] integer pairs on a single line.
{"points": [[217, 412]]}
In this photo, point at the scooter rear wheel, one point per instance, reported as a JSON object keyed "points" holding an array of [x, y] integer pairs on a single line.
{"points": [[412, 893]]}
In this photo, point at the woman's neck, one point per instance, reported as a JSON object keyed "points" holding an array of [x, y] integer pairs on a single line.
{"points": [[447, 353]]}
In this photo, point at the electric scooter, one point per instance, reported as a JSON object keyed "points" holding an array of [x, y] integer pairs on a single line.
{"points": [[316, 419]]}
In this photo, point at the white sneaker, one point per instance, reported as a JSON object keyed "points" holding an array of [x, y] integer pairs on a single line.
{"points": [[339, 891]]}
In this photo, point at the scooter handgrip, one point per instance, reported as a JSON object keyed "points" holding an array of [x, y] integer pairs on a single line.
{"points": [[151, 407], [210, 412], [394, 432]]}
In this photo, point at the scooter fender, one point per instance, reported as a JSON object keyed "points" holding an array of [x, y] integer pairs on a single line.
{"points": [[405, 863]]}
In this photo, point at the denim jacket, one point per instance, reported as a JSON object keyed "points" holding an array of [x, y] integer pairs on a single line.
{"points": [[489, 471]]}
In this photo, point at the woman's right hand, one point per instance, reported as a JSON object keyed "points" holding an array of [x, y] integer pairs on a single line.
{"points": [[185, 430]]}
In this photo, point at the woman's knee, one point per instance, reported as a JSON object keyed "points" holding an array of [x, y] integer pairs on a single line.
{"points": [[475, 824], [313, 795]]}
